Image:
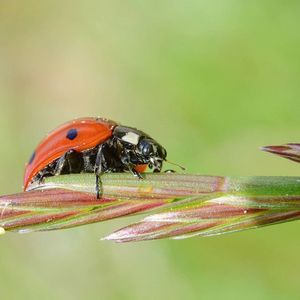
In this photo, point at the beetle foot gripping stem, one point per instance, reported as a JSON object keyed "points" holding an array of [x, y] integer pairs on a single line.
{"points": [[99, 187]]}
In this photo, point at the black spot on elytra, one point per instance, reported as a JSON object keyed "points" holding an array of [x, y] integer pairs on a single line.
{"points": [[72, 133], [31, 158]]}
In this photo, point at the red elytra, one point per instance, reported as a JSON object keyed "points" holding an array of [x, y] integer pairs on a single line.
{"points": [[91, 132]]}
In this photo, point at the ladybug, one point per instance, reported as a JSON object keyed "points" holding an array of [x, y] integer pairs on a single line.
{"points": [[93, 145]]}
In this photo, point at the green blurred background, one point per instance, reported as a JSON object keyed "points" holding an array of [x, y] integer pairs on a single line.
{"points": [[211, 80]]}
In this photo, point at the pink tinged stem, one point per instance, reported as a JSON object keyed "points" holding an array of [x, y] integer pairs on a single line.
{"points": [[57, 209], [290, 151], [180, 205]]}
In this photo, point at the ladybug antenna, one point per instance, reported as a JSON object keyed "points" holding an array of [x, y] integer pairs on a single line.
{"points": [[172, 163]]}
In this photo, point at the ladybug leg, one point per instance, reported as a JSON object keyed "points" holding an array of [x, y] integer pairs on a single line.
{"points": [[40, 177], [60, 164], [70, 162], [130, 166], [157, 166], [135, 172], [98, 170]]}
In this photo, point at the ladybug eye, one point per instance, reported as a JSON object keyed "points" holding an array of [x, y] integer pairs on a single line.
{"points": [[146, 147], [163, 153]]}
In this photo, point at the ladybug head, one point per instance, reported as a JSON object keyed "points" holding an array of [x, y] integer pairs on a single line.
{"points": [[150, 148], [152, 152], [140, 147]]}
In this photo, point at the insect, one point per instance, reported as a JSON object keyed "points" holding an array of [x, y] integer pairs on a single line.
{"points": [[93, 145]]}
